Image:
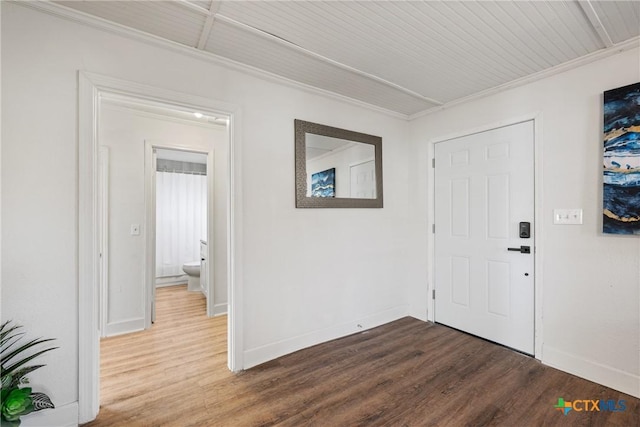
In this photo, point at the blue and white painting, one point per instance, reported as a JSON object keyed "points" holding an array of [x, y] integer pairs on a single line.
{"points": [[323, 184], [621, 199]]}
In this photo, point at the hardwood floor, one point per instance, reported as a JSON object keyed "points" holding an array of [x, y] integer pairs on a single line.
{"points": [[406, 373]]}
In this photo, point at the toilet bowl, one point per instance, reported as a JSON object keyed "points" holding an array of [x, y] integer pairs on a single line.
{"points": [[192, 269]]}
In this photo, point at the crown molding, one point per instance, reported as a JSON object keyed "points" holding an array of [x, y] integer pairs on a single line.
{"points": [[73, 15], [102, 24], [624, 46]]}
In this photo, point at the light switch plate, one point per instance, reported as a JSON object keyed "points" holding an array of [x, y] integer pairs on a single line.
{"points": [[135, 229], [567, 216]]}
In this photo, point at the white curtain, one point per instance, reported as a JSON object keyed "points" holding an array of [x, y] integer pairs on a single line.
{"points": [[181, 220]]}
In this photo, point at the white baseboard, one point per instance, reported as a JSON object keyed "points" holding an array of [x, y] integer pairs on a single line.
{"points": [[124, 327], [219, 309], [256, 356], [61, 416], [171, 281], [592, 371]]}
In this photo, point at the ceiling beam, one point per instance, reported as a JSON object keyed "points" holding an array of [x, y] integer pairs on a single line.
{"points": [[596, 23], [206, 32], [208, 24], [319, 57]]}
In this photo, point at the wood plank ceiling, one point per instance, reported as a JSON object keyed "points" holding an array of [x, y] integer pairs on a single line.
{"points": [[403, 56]]}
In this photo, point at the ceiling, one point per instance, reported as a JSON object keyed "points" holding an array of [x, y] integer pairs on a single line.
{"points": [[162, 110], [181, 156], [320, 145], [403, 56]]}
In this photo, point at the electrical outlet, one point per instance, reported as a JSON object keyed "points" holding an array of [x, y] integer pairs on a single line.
{"points": [[567, 216], [135, 229]]}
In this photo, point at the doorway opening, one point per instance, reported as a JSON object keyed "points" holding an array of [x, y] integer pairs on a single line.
{"points": [[93, 90], [181, 222], [159, 204]]}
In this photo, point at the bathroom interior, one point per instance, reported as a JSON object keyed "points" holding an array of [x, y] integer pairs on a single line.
{"points": [[190, 153], [181, 219]]}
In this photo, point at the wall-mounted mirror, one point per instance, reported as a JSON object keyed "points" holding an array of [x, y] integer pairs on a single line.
{"points": [[337, 168]]}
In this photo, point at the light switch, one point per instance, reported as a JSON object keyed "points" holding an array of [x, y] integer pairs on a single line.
{"points": [[567, 216], [135, 229]]}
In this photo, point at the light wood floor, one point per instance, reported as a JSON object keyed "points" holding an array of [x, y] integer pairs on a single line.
{"points": [[407, 373]]}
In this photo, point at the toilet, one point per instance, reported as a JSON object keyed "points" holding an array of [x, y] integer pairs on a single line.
{"points": [[192, 269]]}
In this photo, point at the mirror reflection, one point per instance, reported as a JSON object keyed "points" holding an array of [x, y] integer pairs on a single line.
{"points": [[337, 168]]}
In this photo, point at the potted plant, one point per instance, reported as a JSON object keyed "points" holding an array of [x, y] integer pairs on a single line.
{"points": [[17, 400]]}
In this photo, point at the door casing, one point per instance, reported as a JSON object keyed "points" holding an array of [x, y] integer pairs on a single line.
{"points": [[538, 213], [480, 197], [90, 88]]}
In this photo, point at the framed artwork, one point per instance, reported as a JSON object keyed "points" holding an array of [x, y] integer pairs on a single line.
{"points": [[323, 184], [621, 193]]}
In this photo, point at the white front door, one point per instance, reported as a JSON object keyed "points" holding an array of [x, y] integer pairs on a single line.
{"points": [[363, 180], [484, 190]]}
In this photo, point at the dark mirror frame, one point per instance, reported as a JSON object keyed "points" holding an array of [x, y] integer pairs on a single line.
{"points": [[302, 128]]}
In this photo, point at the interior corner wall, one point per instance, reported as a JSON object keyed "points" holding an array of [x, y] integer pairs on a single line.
{"points": [[125, 131], [309, 275], [590, 281]]}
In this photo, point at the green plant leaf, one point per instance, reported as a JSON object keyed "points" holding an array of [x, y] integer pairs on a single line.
{"points": [[12, 355], [5, 338], [17, 403], [6, 382], [10, 341], [18, 377], [10, 369], [41, 401], [36, 341], [5, 330], [5, 423]]}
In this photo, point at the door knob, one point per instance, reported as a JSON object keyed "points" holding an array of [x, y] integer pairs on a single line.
{"points": [[521, 249]]}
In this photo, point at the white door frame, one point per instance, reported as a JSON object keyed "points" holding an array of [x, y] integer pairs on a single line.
{"points": [[90, 87], [538, 212], [150, 219], [103, 218]]}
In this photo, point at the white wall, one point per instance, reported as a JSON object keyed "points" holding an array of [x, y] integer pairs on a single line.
{"points": [[125, 131], [290, 299], [591, 281]]}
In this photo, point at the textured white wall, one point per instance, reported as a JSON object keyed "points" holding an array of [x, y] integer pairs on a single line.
{"points": [[124, 132], [591, 281], [309, 274]]}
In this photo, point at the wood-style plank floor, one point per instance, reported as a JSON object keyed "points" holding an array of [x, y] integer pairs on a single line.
{"points": [[406, 373]]}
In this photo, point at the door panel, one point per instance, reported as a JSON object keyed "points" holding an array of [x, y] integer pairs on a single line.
{"points": [[363, 180], [483, 190]]}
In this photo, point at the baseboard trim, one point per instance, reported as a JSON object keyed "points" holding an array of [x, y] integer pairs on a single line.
{"points": [[171, 281], [124, 327], [256, 356], [219, 309], [592, 371], [61, 416]]}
